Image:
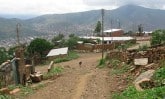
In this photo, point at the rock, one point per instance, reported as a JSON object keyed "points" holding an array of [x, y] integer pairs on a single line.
{"points": [[144, 77], [36, 77], [141, 61], [149, 65]]}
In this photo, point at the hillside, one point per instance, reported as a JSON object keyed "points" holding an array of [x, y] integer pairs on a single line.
{"points": [[81, 23]]}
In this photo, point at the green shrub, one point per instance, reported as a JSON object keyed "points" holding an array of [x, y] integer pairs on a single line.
{"points": [[158, 37], [159, 76]]}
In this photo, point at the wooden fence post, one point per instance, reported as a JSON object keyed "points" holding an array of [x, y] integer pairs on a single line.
{"points": [[14, 64]]}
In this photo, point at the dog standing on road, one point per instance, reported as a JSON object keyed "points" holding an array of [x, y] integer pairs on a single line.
{"points": [[80, 63]]}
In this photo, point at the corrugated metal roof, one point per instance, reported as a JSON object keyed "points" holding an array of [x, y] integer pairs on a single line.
{"points": [[110, 38], [59, 51], [112, 30]]}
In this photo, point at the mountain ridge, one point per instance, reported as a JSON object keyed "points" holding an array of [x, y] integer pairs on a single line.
{"points": [[129, 16]]}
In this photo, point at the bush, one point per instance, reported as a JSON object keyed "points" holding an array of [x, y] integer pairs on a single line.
{"points": [[158, 37], [159, 76], [40, 46]]}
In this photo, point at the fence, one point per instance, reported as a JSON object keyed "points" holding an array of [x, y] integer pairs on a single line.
{"points": [[95, 47], [9, 72], [6, 74], [154, 55]]}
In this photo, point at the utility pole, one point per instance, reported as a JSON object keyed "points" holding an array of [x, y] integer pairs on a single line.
{"points": [[102, 30], [119, 24], [20, 55], [17, 31]]}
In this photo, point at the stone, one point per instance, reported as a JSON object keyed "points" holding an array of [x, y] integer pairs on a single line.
{"points": [[144, 77], [36, 77], [141, 61]]}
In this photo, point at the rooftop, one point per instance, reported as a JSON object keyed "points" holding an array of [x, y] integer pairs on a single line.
{"points": [[112, 30], [59, 51], [109, 38]]}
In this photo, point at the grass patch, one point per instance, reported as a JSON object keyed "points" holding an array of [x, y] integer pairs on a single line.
{"points": [[71, 55], [132, 93], [143, 47], [3, 96], [25, 90], [159, 77], [118, 67], [54, 71], [102, 63]]}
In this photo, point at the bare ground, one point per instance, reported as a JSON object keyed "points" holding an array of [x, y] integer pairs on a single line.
{"points": [[79, 82]]}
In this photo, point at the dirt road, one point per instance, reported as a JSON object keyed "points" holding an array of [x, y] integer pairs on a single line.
{"points": [[78, 82]]}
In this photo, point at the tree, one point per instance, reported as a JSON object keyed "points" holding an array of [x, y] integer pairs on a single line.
{"points": [[39, 45], [11, 51], [72, 35], [59, 40], [158, 37], [98, 28], [58, 37], [72, 41], [3, 55]]}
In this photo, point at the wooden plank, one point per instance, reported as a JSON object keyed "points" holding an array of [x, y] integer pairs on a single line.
{"points": [[50, 66]]}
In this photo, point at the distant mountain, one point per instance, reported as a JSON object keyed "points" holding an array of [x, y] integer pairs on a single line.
{"points": [[20, 16], [127, 17]]}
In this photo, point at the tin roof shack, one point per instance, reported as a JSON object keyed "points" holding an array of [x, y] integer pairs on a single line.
{"points": [[60, 52], [113, 33]]}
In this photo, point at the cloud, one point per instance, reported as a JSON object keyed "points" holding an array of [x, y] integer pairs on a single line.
{"points": [[157, 4], [41, 6], [67, 6]]}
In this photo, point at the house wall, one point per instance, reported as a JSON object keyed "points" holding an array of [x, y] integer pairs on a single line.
{"points": [[59, 56], [115, 34]]}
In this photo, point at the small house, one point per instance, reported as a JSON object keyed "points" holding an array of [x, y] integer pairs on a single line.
{"points": [[60, 52], [113, 33]]}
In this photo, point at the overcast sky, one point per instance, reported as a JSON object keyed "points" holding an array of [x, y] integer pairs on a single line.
{"points": [[39, 7]]}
